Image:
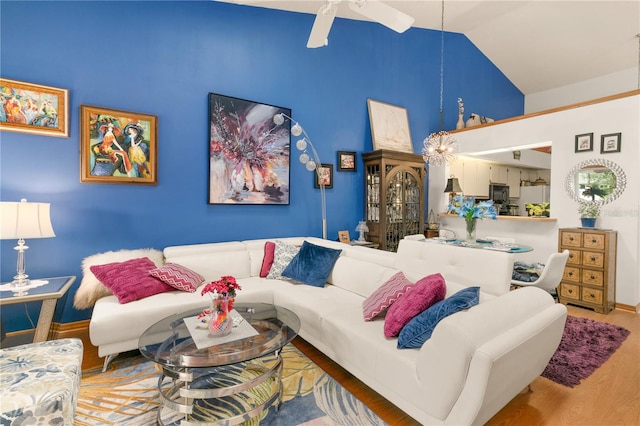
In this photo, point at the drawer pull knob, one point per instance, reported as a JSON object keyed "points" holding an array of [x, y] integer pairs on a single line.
{"points": [[569, 291], [593, 295], [571, 256], [593, 258], [570, 274], [594, 241], [593, 277], [570, 238]]}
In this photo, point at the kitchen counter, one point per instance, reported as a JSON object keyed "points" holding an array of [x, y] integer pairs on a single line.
{"points": [[517, 218]]}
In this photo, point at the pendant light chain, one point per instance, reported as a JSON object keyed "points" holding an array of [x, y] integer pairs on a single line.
{"points": [[439, 149], [441, 65]]}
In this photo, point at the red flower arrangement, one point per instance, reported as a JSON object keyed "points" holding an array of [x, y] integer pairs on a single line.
{"points": [[226, 286]]}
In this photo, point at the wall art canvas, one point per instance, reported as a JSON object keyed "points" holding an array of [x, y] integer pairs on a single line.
{"points": [[117, 146], [33, 108], [389, 127], [248, 153]]}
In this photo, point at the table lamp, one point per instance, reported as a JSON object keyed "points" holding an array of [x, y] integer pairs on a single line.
{"points": [[362, 228], [21, 221], [453, 187]]}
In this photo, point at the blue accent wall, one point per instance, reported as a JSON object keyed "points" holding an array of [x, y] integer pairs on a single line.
{"points": [[163, 58]]}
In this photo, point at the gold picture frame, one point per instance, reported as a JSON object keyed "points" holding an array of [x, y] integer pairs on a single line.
{"points": [[34, 109], [343, 236], [118, 147]]}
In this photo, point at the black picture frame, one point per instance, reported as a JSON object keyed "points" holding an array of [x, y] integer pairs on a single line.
{"points": [[325, 170], [347, 161], [584, 142], [245, 169], [610, 143]]}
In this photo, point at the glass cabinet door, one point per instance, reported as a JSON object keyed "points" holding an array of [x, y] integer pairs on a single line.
{"points": [[394, 196]]}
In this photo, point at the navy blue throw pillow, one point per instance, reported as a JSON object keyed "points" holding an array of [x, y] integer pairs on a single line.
{"points": [[420, 328], [312, 265]]}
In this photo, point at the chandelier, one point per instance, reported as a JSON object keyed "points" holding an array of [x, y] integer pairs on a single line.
{"points": [[440, 147]]}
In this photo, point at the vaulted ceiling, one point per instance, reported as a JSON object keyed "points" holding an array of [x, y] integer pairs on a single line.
{"points": [[539, 45]]}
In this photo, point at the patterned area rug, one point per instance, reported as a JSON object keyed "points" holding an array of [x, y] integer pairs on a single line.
{"points": [[127, 394], [586, 344]]}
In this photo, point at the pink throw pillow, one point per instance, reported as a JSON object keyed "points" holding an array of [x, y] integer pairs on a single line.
{"points": [[380, 300], [423, 294], [178, 276], [267, 260], [130, 280]]}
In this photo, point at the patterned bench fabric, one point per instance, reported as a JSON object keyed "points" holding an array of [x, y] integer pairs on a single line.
{"points": [[39, 382]]}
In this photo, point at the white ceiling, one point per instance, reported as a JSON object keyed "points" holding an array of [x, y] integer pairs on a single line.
{"points": [[538, 45]]}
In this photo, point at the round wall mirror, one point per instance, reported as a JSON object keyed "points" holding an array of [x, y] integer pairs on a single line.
{"points": [[596, 181]]}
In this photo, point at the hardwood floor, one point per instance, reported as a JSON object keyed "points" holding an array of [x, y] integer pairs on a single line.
{"points": [[610, 396]]}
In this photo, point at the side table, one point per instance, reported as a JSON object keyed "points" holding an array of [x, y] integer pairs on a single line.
{"points": [[49, 294], [364, 244]]}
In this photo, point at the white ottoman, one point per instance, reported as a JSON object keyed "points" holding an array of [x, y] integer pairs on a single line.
{"points": [[39, 382]]}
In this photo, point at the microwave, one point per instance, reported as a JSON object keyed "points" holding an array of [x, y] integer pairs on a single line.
{"points": [[499, 193]]}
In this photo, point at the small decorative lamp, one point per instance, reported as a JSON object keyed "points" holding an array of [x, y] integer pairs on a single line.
{"points": [[432, 221], [362, 228], [21, 221], [453, 187]]}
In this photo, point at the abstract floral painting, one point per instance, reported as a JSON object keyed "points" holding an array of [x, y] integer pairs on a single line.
{"points": [[248, 153]]}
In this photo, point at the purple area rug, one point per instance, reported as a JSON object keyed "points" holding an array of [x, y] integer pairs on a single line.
{"points": [[586, 344]]}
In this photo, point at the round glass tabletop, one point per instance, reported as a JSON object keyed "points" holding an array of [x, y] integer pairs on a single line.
{"points": [[170, 343]]}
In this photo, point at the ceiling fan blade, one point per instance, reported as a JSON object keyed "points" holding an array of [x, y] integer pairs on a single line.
{"points": [[384, 14], [322, 26]]}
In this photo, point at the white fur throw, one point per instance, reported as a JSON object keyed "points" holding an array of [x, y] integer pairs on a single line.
{"points": [[91, 289]]}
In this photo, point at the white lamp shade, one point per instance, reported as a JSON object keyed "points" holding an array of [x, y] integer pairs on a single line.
{"points": [[25, 220], [362, 226]]}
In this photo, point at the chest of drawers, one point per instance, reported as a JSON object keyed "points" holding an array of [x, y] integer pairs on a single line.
{"points": [[589, 277]]}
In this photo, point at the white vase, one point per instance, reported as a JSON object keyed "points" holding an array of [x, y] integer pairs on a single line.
{"points": [[460, 123]]}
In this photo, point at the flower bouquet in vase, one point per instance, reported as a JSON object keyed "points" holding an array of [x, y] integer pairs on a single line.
{"points": [[471, 211], [222, 293]]}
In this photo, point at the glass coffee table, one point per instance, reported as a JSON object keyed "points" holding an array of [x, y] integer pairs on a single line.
{"points": [[227, 383]]}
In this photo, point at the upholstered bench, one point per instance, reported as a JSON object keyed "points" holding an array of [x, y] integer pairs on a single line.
{"points": [[39, 382]]}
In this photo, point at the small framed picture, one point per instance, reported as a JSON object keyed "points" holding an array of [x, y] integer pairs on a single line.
{"points": [[610, 143], [324, 174], [346, 161], [584, 142], [343, 236]]}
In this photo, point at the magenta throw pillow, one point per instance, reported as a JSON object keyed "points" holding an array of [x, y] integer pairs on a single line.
{"points": [[178, 276], [426, 292], [267, 260], [130, 280], [380, 300]]}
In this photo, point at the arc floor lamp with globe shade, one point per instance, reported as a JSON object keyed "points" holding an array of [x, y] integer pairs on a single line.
{"points": [[308, 157]]}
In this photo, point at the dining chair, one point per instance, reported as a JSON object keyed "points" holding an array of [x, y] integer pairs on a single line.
{"points": [[551, 274]]}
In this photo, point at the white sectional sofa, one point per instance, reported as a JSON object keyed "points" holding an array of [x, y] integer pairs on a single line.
{"points": [[475, 362]]}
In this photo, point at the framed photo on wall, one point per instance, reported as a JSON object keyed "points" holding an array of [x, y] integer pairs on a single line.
{"points": [[389, 127], [33, 108], [248, 153], [584, 142], [610, 143], [118, 146], [346, 161], [324, 174]]}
